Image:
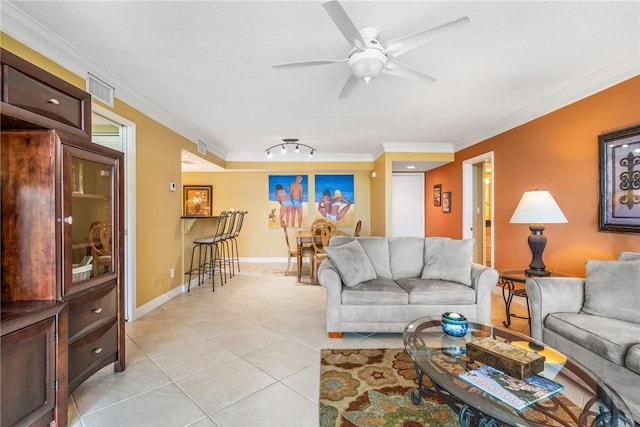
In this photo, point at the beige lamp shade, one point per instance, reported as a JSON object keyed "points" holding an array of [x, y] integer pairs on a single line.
{"points": [[537, 207]]}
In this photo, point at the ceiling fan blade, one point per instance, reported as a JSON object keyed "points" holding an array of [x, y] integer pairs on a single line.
{"points": [[396, 68], [404, 44], [348, 87], [344, 23], [309, 63]]}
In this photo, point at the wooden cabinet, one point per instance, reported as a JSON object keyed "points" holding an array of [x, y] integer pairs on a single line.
{"points": [[33, 366], [62, 236]]}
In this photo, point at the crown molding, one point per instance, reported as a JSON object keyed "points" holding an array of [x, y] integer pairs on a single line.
{"points": [[577, 89]]}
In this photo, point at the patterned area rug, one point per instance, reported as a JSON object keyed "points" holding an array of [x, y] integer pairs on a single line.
{"points": [[372, 388]]}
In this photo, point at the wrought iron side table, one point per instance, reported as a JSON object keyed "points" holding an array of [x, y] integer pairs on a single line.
{"points": [[512, 283]]}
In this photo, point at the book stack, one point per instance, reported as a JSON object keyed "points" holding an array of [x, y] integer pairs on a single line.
{"points": [[516, 392]]}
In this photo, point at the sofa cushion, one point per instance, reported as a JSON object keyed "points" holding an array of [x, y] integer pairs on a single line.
{"points": [[447, 259], [406, 256], [433, 292], [629, 256], [377, 249], [607, 337], [352, 263], [632, 361], [375, 292], [612, 289]]}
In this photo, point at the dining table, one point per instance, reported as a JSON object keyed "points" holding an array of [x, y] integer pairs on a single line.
{"points": [[304, 238]]}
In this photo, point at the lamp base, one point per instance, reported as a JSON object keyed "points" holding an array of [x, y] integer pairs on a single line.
{"points": [[537, 272]]}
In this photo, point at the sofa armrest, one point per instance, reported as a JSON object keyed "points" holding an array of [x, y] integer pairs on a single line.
{"points": [[483, 279], [330, 279], [552, 295]]}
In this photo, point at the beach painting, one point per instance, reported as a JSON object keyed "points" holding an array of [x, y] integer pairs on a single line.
{"points": [[335, 199], [288, 201]]}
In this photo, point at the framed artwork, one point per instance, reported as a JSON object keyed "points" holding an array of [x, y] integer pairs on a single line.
{"points": [[619, 164], [437, 195], [335, 198], [288, 201], [197, 200], [446, 202]]}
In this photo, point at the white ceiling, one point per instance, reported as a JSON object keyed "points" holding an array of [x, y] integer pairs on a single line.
{"points": [[204, 68]]}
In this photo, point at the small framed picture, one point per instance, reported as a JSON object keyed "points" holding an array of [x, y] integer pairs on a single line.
{"points": [[446, 202], [437, 195], [197, 200]]}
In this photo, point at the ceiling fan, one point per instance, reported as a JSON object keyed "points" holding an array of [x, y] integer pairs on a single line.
{"points": [[369, 57]]}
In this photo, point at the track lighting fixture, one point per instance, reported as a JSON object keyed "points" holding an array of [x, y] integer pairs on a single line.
{"points": [[289, 141]]}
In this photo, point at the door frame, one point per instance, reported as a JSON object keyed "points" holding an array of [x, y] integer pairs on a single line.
{"points": [[128, 137], [467, 197]]}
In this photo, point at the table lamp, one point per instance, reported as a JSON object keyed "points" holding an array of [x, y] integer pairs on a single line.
{"points": [[537, 207]]}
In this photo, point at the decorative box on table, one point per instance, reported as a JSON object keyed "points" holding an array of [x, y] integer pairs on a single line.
{"points": [[500, 355]]}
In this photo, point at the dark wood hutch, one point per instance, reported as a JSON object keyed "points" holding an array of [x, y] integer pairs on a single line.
{"points": [[62, 246]]}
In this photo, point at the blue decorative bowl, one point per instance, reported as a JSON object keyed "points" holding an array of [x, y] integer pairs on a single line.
{"points": [[454, 324]]}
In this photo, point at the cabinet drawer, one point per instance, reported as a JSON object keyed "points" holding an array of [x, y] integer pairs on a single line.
{"points": [[40, 98], [91, 352], [89, 311]]}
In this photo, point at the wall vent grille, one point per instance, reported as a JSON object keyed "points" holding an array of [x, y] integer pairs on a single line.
{"points": [[202, 148], [100, 90]]}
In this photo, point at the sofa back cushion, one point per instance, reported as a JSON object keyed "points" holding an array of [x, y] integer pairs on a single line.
{"points": [[612, 289], [352, 263], [447, 259], [406, 256], [377, 249], [628, 256]]}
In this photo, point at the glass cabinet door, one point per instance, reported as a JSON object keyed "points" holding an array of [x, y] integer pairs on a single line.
{"points": [[90, 245]]}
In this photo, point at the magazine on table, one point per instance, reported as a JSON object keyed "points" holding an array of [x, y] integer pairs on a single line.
{"points": [[515, 392]]}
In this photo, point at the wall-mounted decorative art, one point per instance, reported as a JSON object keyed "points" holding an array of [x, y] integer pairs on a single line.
{"points": [[288, 201], [335, 198], [446, 202], [619, 155], [437, 195], [197, 200]]}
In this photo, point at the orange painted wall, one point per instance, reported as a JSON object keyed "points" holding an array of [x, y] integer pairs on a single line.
{"points": [[556, 152]]}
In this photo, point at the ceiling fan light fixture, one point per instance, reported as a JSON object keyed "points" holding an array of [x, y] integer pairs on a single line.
{"points": [[367, 65]]}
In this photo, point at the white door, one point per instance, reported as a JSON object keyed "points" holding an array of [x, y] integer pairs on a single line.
{"points": [[407, 201]]}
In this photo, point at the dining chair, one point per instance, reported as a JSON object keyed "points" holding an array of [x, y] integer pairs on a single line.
{"points": [[319, 254], [356, 231], [100, 243], [307, 251]]}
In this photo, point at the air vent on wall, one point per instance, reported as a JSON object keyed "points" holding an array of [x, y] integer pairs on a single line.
{"points": [[202, 148], [100, 90]]}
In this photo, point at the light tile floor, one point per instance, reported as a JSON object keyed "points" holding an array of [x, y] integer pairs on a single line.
{"points": [[245, 355]]}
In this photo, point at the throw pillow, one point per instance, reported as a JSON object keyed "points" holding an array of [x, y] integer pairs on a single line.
{"points": [[352, 263], [447, 259], [612, 289]]}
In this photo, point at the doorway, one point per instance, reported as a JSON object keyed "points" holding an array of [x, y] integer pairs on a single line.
{"points": [[116, 132], [477, 206], [407, 204]]}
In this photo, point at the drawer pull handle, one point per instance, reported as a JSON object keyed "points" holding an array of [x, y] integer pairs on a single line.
{"points": [[68, 220], [97, 310], [97, 350], [52, 101]]}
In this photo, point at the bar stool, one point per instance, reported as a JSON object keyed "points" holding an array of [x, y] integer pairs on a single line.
{"points": [[208, 255], [234, 238]]}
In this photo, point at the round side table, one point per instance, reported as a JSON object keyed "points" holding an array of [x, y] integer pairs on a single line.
{"points": [[512, 283]]}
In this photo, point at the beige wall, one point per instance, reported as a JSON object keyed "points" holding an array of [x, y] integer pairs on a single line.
{"points": [[249, 191]]}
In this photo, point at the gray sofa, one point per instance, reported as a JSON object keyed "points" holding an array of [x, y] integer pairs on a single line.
{"points": [[375, 284], [595, 321]]}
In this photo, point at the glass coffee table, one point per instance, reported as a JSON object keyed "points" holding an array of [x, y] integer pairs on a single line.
{"points": [[439, 359]]}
